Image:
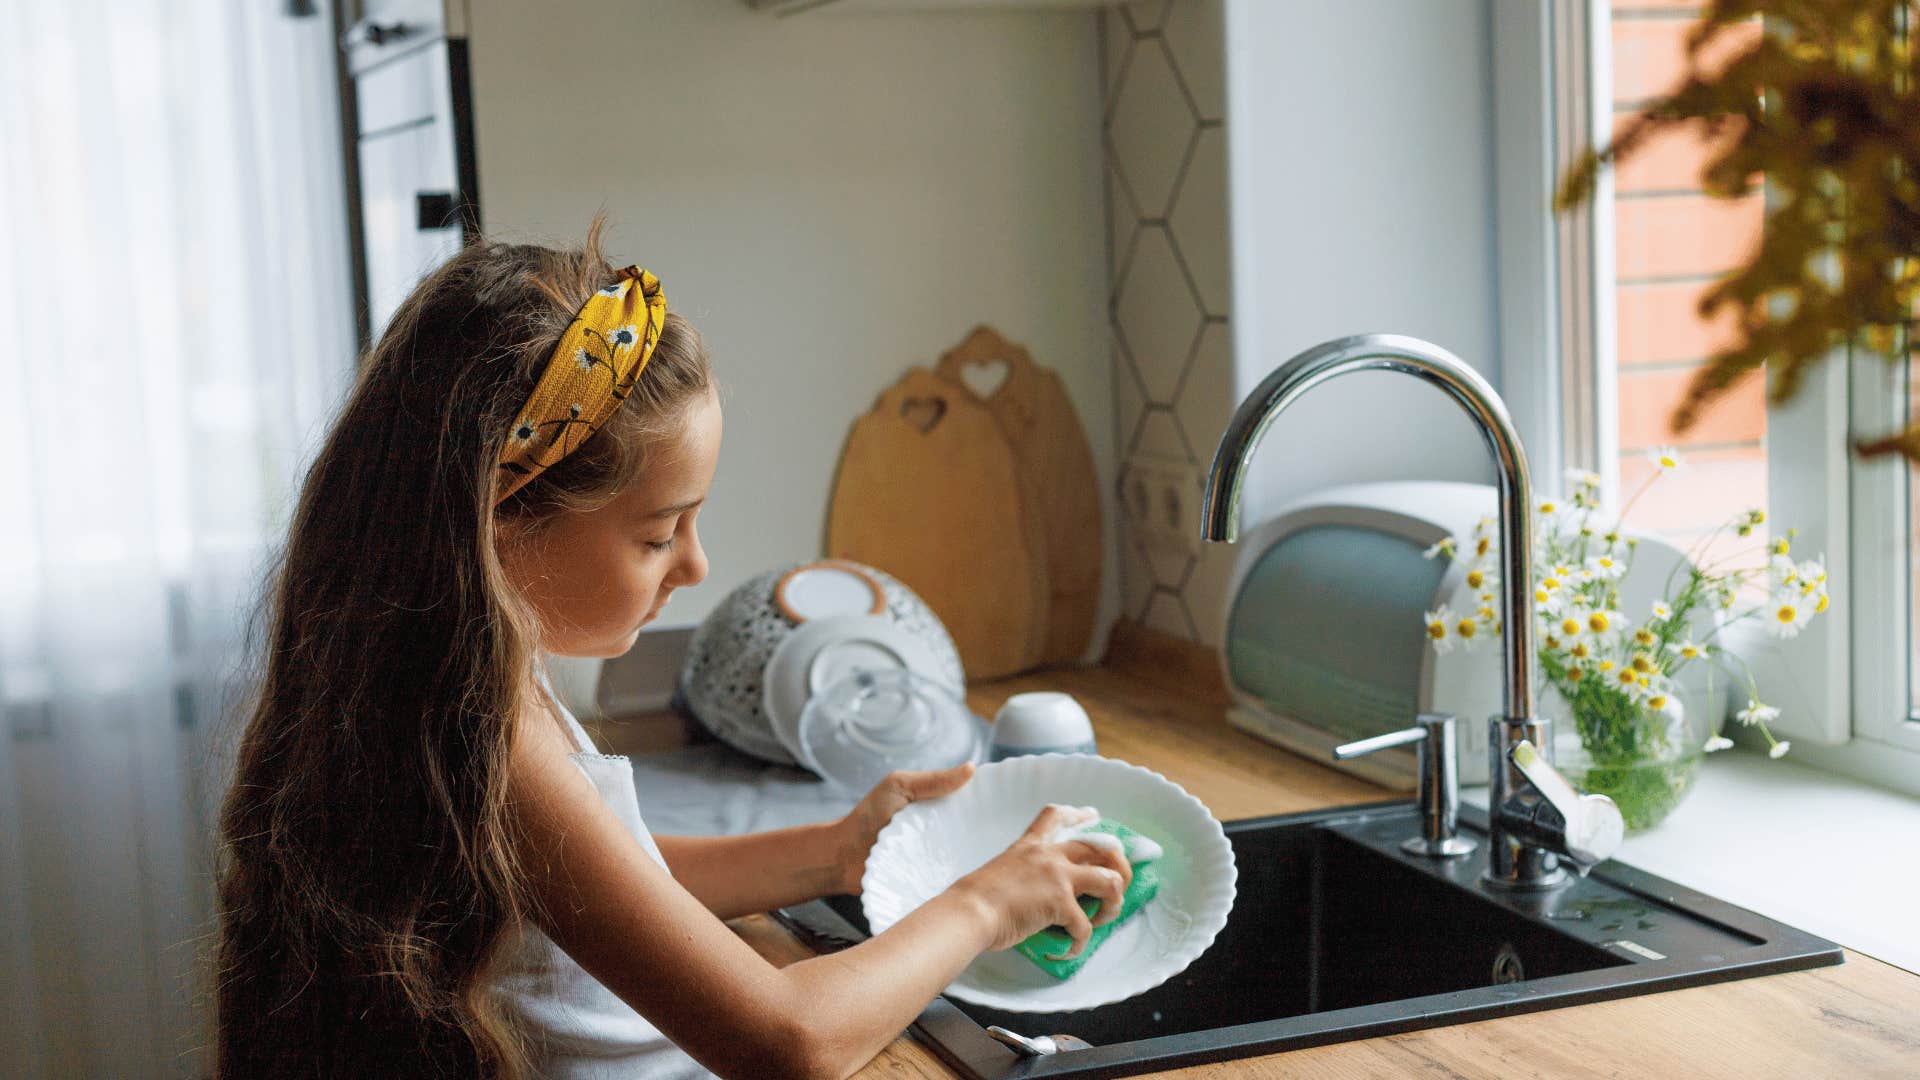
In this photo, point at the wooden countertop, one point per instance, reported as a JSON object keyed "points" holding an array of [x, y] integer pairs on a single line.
{"points": [[1158, 703]]}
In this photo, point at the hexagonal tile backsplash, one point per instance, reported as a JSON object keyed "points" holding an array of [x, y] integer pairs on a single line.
{"points": [[1169, 292]]}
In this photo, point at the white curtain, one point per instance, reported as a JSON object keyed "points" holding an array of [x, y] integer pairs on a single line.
{"points": [[175, 330]]}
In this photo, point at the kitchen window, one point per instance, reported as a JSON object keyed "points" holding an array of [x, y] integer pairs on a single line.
{"points": [[1615, 306]]}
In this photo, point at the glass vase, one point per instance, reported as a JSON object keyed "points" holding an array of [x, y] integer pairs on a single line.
{"points": [[1645, 760]]}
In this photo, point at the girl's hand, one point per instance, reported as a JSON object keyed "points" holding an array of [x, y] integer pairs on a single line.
{"points": [[863, 823], [1037, 883]]}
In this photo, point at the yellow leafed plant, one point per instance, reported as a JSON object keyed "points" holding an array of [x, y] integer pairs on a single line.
{"points": [[1823, 108]]}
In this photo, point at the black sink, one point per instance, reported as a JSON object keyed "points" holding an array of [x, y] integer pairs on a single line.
{"points": [[1337, 934]]}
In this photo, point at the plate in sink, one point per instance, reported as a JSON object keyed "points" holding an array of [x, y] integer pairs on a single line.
{"points": [[930, 845]]}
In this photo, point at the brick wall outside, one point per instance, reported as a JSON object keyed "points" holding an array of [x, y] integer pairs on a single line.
{"points": [[1671, 243]]}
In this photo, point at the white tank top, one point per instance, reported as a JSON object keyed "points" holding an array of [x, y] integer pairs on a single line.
{"points": [[576, 1028]]}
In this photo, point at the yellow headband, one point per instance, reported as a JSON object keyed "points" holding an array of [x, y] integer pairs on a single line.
{"points": [[599, 358]]}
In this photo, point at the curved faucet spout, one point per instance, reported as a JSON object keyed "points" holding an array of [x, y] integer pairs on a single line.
{"points": [[1410, 356], [1533, 814]]}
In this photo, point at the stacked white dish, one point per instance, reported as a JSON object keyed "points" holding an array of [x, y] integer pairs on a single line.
{"points": [[872, 721], [789, 635]]}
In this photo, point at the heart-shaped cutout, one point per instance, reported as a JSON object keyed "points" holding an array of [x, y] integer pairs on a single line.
{"points": [[985, 377], [923, 412]]}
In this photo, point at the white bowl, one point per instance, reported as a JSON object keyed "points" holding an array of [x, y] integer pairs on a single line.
{"points": [[930, 845], [1041, 722]]}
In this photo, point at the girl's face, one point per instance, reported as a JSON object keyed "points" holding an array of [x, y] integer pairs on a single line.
{"points": [[596, 578]]}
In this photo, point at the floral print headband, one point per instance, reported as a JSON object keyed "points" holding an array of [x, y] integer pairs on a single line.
{"points": [[599, 358]]}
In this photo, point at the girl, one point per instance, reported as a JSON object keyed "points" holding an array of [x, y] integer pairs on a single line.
{"points": [[426, 870]]}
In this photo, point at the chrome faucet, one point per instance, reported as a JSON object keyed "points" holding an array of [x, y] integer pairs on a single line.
{"points": [[1535, 818]]}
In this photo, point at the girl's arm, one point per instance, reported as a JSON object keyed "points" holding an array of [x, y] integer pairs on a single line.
{"points": [[650, 941], [741, 875]]}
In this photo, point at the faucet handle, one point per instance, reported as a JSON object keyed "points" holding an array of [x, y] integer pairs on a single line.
{"points": [[1439, 796], [1586, 828]]}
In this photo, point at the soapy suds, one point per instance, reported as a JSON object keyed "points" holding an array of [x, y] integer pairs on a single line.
{"points": [[1134, 849]]}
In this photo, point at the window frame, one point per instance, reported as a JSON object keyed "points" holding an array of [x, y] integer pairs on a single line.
{"points": [[1843, 684], [1885, 710], [1556, 324]]}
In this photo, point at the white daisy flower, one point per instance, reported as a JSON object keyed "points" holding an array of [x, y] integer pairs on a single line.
{"points": [[1782, 570], [1663, 700], [1756, 713], [1627, 680], [1779, 750], [1584, 488], [1602, 623], [618, 288], [522, 434], [1717, 742], [1687, 650], [1665, 458], [585, 359], [1661, 611], [1440, 629], [1606, 566], [1787, 618], [1446, 545], [621, 337]]}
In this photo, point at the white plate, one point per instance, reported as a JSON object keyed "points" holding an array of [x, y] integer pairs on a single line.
{"points": [[856, 731], [930, 845], [820, 651]]}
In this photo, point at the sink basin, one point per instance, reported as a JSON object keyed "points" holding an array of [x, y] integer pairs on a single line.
{"points": [[1337, 934]]}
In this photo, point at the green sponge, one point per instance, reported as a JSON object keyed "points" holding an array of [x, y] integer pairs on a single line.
{"points": [[1054, 941]]}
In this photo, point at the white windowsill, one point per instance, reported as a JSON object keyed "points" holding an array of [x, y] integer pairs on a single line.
{"points": [[1817, 851]]}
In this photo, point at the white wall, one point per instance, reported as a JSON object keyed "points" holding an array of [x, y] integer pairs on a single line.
{"points": [[830, 198], [1360, 166]]}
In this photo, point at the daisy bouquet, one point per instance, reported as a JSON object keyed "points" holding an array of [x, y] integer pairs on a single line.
{"points": [[1617, 669]]}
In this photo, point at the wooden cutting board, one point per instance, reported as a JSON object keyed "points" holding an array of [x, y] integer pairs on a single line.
{"points": [[929, 490], [1056, 464]]}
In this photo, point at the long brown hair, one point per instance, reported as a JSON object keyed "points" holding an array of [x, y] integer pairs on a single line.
{"points": [[367, 870]]}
